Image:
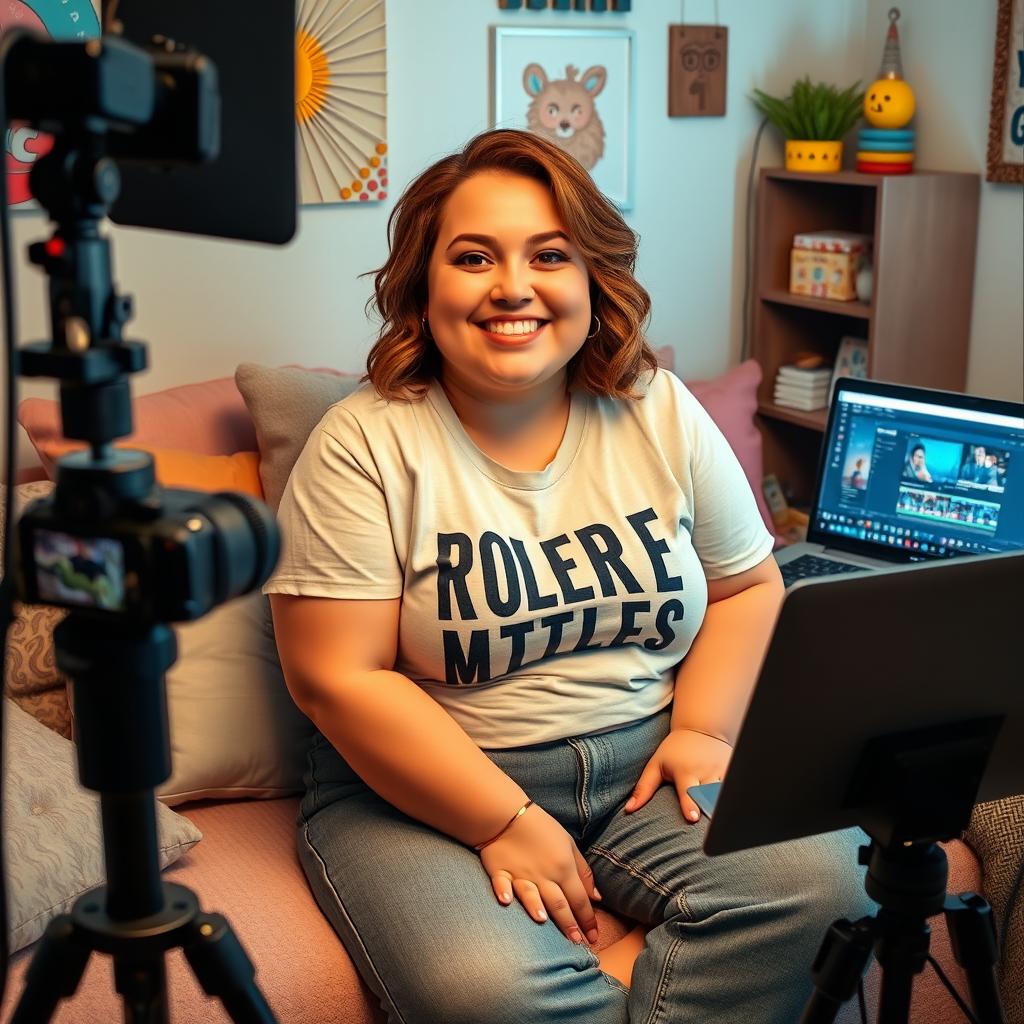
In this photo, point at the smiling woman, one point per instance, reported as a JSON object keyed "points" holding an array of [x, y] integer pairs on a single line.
{"points": [[524, 596]]}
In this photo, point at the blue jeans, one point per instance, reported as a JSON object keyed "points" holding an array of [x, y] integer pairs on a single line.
{"points": [[732, 938]]}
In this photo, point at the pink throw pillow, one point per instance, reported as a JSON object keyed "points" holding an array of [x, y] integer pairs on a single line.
{"points": [[731, 401], [209, 418]]}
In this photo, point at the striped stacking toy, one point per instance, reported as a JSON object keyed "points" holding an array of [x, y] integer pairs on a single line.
{"points": [[885, 150]]}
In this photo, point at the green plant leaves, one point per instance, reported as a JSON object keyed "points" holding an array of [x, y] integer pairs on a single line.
{"points": [[813, 111]]}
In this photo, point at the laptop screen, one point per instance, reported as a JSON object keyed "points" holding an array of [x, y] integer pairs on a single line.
{"points": [[911, 473]]}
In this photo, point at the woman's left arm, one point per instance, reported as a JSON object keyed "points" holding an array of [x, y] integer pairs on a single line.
{"points": [[713, 684], [715, 679]]}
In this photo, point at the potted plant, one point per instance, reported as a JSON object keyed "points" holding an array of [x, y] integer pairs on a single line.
{"points": [[813, 119]]}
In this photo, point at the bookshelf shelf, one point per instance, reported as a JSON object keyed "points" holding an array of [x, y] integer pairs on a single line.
{"points": [[857, 309], [917, 324], [814, 420]]}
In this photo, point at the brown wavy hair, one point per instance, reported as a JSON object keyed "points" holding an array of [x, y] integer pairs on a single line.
{"points": [[404, 360]]}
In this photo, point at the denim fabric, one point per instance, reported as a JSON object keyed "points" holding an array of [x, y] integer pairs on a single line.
{"points": [[732, 937]]}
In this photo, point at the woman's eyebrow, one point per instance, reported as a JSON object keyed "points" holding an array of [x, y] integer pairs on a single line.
{"points": [[490, 240]]}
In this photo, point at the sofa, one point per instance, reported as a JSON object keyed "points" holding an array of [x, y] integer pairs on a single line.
{"points": [[238, 742]]}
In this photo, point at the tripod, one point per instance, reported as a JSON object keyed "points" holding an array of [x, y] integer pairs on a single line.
{"points": [[135, 555], [912, 785], [909, 884], [120, 714]]}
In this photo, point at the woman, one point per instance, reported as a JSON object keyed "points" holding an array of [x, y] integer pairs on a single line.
{"points": [[497, 555]]}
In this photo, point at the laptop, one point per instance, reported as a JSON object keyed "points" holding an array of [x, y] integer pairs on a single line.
{"points": [[911, 474], [891, 654]]}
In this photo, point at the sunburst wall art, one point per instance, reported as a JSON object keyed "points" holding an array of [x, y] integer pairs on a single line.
{"points": [[341, 100]]}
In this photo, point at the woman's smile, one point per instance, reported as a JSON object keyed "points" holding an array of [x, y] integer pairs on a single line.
{"points": [[510, 333]]}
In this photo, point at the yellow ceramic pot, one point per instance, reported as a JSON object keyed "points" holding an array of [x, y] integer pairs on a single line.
{"points": [[813, 155]]}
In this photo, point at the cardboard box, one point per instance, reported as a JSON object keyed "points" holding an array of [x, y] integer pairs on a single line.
{"points": [[827, 275], [825, 263]]}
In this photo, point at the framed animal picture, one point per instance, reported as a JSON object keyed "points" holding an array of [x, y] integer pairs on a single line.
{"points": [[574, 87]]}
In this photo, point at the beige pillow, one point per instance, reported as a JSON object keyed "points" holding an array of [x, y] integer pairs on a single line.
{"points": [[235, 731], [286, 403], [54, 848]]}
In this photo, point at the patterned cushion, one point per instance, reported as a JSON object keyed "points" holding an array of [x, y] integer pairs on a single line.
{"points": [[51, 829], [996, 834], [31, 677]]}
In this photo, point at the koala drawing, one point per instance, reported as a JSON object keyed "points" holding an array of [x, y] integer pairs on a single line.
{"points": [[563, 110]]}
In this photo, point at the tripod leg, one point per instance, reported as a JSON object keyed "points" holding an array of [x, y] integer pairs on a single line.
{"points": [[142, 986], [224, 970], [902, 952], [56, 969], [972, 934], [837, 968]]}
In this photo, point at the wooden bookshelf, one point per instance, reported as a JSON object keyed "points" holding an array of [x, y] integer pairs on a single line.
{"points": [[924, 229]]}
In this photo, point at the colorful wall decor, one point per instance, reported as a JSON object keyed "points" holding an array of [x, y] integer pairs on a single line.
{"points": [[341, 100], [593, 6], [575, 88], [1006, 116], [64, 20]]}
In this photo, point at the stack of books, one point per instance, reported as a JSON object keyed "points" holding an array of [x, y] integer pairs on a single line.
{"points": [[798, 388]]}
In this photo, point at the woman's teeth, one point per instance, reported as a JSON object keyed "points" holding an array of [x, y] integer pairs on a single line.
{"points": [[512, 326]]}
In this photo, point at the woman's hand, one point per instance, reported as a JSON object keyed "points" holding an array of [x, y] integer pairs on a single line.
{"points": [[684, 758], [537, 860]]}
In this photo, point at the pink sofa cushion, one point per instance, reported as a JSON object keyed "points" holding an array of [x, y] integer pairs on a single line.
{"points": [[731, 401], [209, 418]]}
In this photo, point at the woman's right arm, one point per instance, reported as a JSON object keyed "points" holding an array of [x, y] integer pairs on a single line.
{"points": [[338, 658]]}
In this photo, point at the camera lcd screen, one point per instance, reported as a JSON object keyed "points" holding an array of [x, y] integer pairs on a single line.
{"points": [[83, 571]]}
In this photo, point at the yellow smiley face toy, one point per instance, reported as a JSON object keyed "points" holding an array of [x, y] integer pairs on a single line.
{"points": [[889, 103]]}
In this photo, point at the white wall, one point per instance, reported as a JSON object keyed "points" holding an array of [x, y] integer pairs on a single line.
{"points": [[948, 49], [206, 305]]}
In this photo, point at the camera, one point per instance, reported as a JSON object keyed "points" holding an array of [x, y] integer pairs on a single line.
{"points": [[169, 557]]}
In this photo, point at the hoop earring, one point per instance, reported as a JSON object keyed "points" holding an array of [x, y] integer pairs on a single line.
{"points": [[425, 328], [596, 331]]}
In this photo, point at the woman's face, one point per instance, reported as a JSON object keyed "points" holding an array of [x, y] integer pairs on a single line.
{"points": [[508, 293]]}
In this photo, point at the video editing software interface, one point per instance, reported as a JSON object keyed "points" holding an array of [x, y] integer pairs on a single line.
{"points": [[935, 480]]}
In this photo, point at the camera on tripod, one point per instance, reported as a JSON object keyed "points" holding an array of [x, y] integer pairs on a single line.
{"points": [[123, 554]]}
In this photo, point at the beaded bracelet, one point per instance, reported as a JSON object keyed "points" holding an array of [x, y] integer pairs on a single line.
{"points": [[511, 821]]}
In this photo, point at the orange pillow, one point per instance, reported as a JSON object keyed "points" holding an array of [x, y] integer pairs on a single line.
{"points": [[191, 470]]}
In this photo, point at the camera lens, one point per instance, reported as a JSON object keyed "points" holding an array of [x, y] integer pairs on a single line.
{"points": [[246, 543]]}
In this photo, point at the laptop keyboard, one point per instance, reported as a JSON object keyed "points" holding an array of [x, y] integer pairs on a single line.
{"points": [[807, 566]]}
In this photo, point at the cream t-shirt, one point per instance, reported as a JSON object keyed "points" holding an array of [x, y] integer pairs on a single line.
{"points": [[535, 605]]}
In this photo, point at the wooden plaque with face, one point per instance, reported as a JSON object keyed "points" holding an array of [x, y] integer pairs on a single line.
{"points": [[696, 70]]}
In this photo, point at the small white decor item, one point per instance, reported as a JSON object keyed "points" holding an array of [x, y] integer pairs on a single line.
{"points": [[865, 282], [851, 361]]}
